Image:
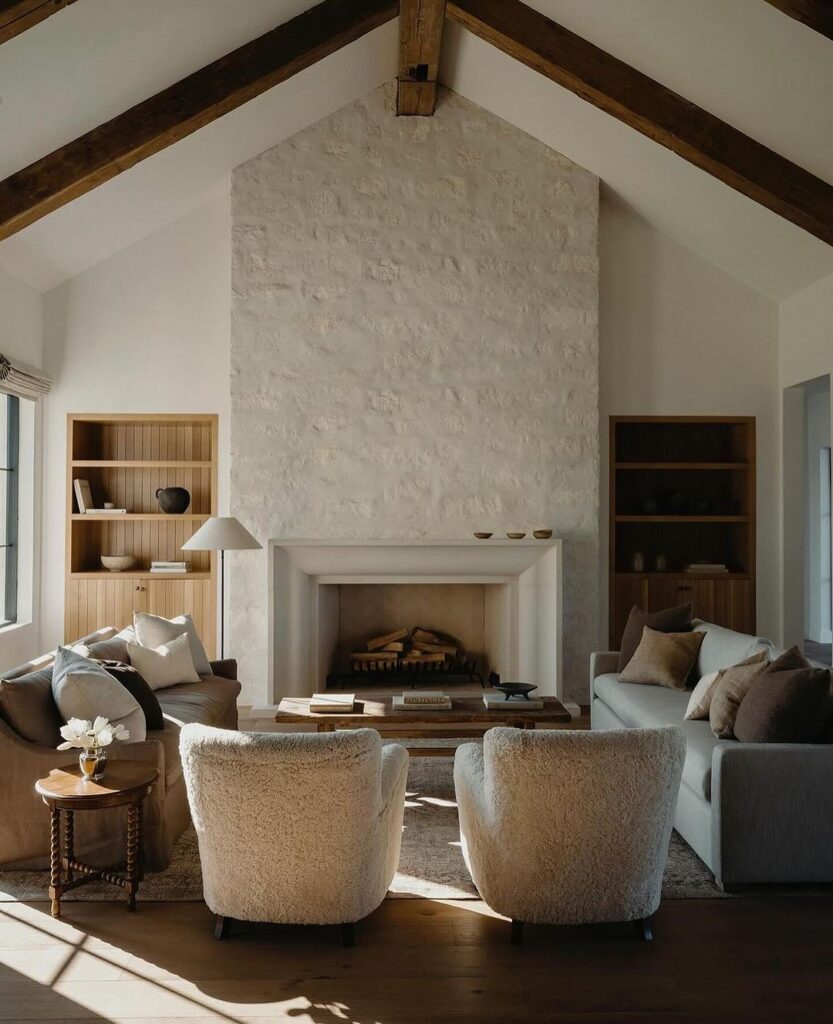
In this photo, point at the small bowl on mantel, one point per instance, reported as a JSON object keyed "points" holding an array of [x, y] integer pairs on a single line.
{"points": [[117, 563], [482, 536], [516, 536], [542, 534]]}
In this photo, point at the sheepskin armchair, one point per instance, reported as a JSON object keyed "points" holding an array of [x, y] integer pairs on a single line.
{"points": [[295, 828], [569, 827]]}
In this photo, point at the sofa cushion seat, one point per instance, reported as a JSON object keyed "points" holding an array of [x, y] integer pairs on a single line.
{"points": [[641, 707], [207, 703]]}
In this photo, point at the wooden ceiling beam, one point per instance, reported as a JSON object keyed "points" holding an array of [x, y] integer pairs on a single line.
{"points": [[652, 109], [815, 14], [17, 16], [420, 39], [183, 108]]}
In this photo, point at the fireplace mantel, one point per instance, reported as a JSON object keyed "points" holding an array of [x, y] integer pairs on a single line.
{"points": [[523, 578]]}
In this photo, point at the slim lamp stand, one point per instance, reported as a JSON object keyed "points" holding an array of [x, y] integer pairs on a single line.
{"points": [[222, 603]]}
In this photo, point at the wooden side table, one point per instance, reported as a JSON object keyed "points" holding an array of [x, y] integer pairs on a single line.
{"points": [[125, 783]]}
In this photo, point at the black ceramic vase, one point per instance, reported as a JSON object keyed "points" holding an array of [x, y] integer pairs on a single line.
{"points": [[173, 500]]}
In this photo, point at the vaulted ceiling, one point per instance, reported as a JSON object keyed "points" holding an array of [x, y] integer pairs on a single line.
{"points": [[746, 62]]}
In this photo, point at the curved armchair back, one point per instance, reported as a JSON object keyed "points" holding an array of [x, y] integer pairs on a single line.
{"points": [[576, 823], [288, 824]]}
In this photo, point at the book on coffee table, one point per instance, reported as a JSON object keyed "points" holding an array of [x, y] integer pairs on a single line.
{"points": [[335, 703], [498, 702], [422, 700]]}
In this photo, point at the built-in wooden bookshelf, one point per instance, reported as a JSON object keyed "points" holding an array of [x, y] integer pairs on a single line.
{"points": [[682, 489], [126, 459]]}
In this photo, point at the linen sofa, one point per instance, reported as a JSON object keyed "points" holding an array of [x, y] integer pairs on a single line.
{"points": [[754, 812], [99, 836], [295, 829]]}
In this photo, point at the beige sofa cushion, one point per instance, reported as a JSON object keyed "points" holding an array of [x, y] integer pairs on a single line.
{"points": [[663, 659], [27, 705], [733, 686], [207, 702]]}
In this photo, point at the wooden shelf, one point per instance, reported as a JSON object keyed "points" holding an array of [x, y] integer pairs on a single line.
{"points": [[682, 575], [139, 464], [140, 574], [132, 517], [682, 519], [739, 466]]}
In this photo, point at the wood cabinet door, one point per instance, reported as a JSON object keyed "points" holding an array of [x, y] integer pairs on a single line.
{"points": [[169, 598], [724, 602], [95, 603]]}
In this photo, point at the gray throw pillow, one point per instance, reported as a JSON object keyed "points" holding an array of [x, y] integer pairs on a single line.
{"points": [[27, 705], [83, 689]]}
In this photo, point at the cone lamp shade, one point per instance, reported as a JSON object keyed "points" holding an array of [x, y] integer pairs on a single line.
{"points": [[221, 533]]}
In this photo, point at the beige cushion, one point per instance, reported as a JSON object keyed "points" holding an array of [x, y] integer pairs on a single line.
{"points": [[83, 689], [154, 631], [732, 687], [167, 665], [663, 659], [27, 705], [701, 697]]}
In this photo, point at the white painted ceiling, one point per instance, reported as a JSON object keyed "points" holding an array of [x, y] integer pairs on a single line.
{"points": [[743, 60]]}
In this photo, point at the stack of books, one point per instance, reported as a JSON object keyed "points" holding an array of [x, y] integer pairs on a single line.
{"points": [[332, 703], [168, 567], [422, 700], [706, 567], [498, 702]]}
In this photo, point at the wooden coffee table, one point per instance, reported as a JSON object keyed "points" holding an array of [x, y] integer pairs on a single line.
{"points": [[65, 789], [469, 713]]}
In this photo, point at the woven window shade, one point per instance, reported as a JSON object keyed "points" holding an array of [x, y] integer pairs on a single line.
{"points": [[17, 378]]}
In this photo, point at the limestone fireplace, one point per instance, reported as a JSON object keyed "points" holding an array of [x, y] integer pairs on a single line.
{"points": [[501, 598]]}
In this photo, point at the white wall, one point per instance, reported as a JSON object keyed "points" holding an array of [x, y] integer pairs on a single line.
{"points": [[679, 336], [145, 331], [21, 337], [816, 549]]}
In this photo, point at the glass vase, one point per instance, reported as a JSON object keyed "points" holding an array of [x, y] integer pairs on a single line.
{"points": [[92, 762]]}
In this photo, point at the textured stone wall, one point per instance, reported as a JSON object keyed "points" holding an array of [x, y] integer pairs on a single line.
{"points": [[414, 347]]}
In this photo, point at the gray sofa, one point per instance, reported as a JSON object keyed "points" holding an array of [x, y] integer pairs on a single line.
{"points": [[754, 812], [99, 835]]}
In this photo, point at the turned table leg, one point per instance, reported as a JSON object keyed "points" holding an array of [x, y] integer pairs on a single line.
{"points": [[55, 862], [134, 837], [69, 843]]}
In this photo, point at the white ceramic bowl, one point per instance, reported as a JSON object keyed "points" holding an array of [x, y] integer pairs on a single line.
{"points": [[117, 563]]}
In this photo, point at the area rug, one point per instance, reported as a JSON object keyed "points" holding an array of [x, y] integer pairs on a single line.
{"points": [[430, 865]]}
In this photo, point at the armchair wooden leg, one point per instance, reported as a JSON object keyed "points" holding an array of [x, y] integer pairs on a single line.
{"points": [[517, 935], [645, 928], [348, 935], [222, 926]]}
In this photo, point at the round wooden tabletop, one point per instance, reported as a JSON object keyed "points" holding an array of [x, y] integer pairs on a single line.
{"points": [[123, 782]]}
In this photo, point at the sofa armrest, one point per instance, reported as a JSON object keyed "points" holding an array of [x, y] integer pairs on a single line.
{"points": [[601, 663], [772, 812], [225, 668]]}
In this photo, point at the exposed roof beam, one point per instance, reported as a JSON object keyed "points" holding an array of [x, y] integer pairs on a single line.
{"points": [[18, 15], [420, 39], [816, 14], [181, 109], [650, 108]]}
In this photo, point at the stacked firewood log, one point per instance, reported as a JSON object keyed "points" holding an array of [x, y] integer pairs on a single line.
{"points": [[407, 648]]}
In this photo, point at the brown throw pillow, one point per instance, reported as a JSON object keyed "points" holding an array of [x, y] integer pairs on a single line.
{"points": [[663, 659], [727, 696], [26, 703], [670, 620], [787, 704]]}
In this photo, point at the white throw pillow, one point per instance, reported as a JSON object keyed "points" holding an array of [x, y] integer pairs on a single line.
{"points": [[701, 697], [166, 665], [82, 689], [154, 631]]}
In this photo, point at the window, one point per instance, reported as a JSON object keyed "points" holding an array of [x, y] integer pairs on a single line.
{"points": [[9, 484]]}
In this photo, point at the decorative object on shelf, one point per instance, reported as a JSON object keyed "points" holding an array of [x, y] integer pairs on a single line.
{"points": [[117, 563], [660, 563], [542, 534], [638, 561], [677, 502], [516, 536], [83, 495], [650, 506], [109, 506], [483, 536], [174, 568], [91, 738], [516, 689], [222, 533], [173, 500]]}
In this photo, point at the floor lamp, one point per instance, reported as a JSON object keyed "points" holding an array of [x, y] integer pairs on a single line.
{"points": [[221, 533]]}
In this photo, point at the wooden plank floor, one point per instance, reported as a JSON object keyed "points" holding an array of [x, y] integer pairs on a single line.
{"points": [[755, 959]]}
